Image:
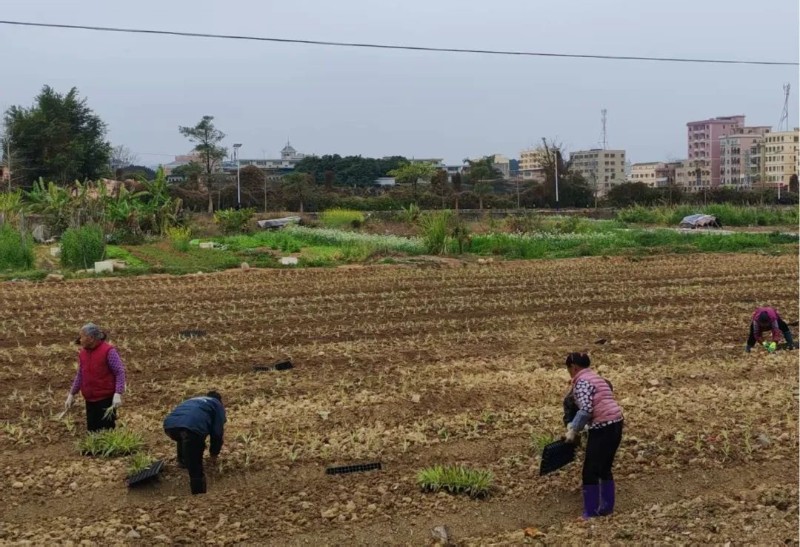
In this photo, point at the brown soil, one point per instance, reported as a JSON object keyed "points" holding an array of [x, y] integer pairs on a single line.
{"points": [[411, 365]]}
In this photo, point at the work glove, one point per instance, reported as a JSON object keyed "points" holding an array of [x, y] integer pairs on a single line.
{"points": [[570, 435], [116, 402], [68, 403]]}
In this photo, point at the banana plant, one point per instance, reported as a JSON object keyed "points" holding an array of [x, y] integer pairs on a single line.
{"points": [[52, 202]]}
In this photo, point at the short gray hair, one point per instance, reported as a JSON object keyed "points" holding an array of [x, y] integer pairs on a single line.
{"points": [[90, 329]]}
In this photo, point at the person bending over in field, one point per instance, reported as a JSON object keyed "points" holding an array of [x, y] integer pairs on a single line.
{"points": [[598, 410], [100, 379], [188, 425], [767, 319]]}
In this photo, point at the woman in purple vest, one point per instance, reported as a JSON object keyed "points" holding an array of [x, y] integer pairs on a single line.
{"points": [[598, 410], [100, 379]]}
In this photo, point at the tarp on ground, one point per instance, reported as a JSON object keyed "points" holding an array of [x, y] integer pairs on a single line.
{"points": [[700, 221]]}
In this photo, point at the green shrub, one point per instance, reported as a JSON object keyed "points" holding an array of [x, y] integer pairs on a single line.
{"points": [[357, 252], [409, 214], [456, 479], [341, 218], [179, 237], [16, 249], [233, 221], [110, 443], [82, 247], [436, 231]]}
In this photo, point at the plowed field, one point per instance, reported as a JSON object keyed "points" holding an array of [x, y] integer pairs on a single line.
{"points": [[412, 366]]}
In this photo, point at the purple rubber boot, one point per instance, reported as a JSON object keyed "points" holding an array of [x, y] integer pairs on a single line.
{"points": [[607, 497], [591, 500]]}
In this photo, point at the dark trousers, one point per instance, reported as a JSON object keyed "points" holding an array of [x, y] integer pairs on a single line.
{"points": [[600, 452], [784, 328], [190, 447], [96, 418]]}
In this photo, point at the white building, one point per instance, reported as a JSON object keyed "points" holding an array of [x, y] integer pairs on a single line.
{"points": [[601, 168]]}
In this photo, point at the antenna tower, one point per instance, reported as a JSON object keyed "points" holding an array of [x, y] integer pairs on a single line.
{"points": [[604, 135], [783, 125]]}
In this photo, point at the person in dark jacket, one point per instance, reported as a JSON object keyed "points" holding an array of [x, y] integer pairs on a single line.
{"points": [[767, 319], [188, 425], [100, 379]]}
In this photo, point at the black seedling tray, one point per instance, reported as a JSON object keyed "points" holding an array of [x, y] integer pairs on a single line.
{"points": [[352, 468], [192, 333], [283, 364], [146, 475], [555, 456]]}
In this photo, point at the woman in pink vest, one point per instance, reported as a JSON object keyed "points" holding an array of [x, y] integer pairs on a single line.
{"points": [[598, 410], [100, 379], [764, 319]]}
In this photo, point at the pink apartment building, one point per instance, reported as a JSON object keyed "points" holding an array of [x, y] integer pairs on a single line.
{"points": [[703, 139]]}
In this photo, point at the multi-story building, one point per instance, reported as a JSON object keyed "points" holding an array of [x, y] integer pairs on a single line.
{"points": [[601, 168], [289, 158], [703, 138], [502, 164], [779, 158], [530, 168], [736, 151], [181, 160], [645, 173], [686, 174], [655, 174]]}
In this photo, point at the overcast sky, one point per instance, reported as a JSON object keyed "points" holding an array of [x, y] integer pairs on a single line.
{"points": [[377, 102]]}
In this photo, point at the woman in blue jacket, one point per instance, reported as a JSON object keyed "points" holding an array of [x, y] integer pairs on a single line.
{"points": [[188, 425]]}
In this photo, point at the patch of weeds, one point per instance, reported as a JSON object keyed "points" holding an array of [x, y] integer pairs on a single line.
{"points": [[540, 440], [456, 479], [110, 443]]}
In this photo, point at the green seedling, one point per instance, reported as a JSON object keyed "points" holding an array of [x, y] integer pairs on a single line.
{"points": [[456, 480], [139, 462], [109, 413], [540, 440], [110, 443]]}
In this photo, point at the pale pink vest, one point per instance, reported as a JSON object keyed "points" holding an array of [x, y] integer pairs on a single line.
{"points": [[605, 408]]}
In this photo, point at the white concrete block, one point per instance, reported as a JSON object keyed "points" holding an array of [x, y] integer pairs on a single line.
{"points": [[104, 266], [207, 245], [289, 261]]}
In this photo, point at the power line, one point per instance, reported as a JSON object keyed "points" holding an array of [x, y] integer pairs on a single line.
{"points": [[402, 47]]}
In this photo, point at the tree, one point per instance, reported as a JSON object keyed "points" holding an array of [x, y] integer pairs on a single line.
{"points": [[135, 172], [207, 138], [253, 182], [481, 174], [190, 171], [298, 187], [439, 185], [457, 183], [413, 173], [121, 156], [58, 138], [630, 193]]}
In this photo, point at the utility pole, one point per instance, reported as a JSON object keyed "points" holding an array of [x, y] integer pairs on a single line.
{"points": [[783, 125], [603, 119]]}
